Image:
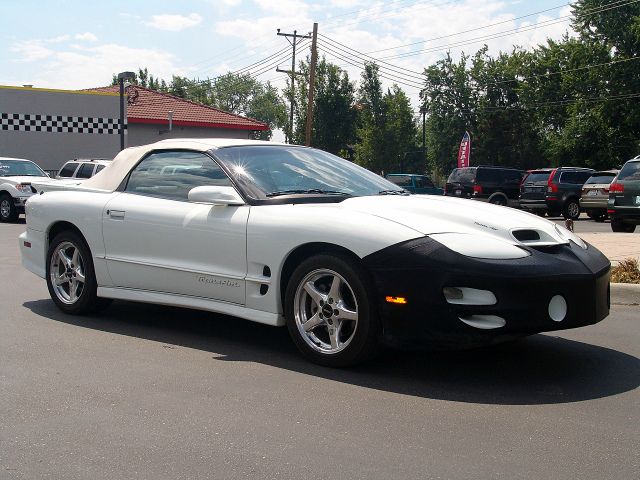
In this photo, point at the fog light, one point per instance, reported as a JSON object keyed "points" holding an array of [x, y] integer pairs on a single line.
{"points": [[558, 308], [469, 296], [484, 322]]}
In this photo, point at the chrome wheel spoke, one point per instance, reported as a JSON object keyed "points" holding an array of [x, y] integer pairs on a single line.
{"points": [[333, 336], [334, 291], [345, 313], [74, 257], [79, 275], [314, 293], [61, 279], [73, 287], [66, 261], [313, 322]]}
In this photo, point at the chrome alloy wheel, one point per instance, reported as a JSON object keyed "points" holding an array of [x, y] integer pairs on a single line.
{"points": [[326, 311], [5, 208], [573, 209], [67, 272]]}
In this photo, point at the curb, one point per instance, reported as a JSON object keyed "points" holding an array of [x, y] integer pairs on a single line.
{"points": [[625, 294]]}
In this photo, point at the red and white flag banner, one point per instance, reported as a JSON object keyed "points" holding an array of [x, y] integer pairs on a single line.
{"points": [[464, 153]]}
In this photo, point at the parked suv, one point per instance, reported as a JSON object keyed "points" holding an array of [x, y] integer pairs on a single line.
{"points": [[497, 185], [562, 192], [420, 184], [624, 198], [82, 168], [16, 177], [595, 194]]}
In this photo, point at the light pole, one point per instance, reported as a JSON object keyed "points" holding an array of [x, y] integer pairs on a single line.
{"points": [[423, 111], [121, 78]]}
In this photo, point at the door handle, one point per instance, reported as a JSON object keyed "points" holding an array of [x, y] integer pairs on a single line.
{"points": [[119, 214]]}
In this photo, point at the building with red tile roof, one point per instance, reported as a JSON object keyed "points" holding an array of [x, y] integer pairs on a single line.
{"points": [[149, 113]]}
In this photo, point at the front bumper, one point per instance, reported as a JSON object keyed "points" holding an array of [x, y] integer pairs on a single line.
{"points": [[19, 203], [419, 270]]}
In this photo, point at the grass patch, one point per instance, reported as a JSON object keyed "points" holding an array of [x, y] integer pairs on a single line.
{"points": [[627, 271]]}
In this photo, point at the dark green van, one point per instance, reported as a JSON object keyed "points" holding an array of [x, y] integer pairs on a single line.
{"points": [[419, 184]]}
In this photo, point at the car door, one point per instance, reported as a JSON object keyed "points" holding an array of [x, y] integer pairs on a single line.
{"points": [[156, 240]]}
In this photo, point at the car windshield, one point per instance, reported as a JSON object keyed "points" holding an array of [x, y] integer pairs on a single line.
{"points": [[600, 178], [10, 168], [271, 171], [463, 175], [630, 172]]}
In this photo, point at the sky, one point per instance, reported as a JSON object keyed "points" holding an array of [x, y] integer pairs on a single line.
{"points": [[80, 44]]}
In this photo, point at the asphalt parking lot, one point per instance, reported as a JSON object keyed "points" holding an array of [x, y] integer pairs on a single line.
{"points": [[150, 392]]}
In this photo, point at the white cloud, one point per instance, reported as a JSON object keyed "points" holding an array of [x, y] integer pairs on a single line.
{"points": [[86, 36], [31, 50], [86, 67], [174, 23]]}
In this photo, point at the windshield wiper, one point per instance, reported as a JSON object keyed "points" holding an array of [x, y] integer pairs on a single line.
{"points": [[393, 192], [310, 190]]}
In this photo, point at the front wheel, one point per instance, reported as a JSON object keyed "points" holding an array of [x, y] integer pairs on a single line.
{"points": [[71, 278], [8, 210], [330, 311]]}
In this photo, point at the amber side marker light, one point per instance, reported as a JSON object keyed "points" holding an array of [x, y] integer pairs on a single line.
{"points": [[399, 300]]}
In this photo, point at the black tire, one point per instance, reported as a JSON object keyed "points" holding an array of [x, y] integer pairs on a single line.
{"points": [[539, 212], [571, 209], [87, 300], [499, 200], [8, 210], [362, 343], [620, 227]]}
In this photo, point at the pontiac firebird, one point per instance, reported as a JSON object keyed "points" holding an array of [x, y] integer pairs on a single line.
{"points": [[290, 235]]}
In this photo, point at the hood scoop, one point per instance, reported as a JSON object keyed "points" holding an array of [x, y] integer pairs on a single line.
{"points": [[535, 238]]}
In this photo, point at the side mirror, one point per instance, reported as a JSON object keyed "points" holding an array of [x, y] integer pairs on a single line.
{"points": [[215, 195]]}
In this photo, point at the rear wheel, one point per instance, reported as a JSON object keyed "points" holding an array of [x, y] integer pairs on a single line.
{"points": [[571, 209], [330, 312], [618, 226], [8, 211], [71, 278], [499, 200]]}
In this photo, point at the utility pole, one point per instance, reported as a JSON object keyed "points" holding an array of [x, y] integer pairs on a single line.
{"points": [[312, 84], [292, 72], [423, 111]]}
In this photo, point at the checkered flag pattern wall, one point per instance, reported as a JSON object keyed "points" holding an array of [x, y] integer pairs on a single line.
{"points": [[26, 122]]}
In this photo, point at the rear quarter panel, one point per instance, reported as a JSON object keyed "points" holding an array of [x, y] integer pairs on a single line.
{"points": [[81, 209]]}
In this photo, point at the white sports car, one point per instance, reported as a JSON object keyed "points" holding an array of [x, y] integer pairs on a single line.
{"points": [[288, 235]]}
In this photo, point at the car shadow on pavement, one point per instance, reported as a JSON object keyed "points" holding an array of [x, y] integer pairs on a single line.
{"points": [[541, 369]]}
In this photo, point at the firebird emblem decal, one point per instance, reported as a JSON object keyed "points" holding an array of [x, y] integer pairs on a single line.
{"points": [[218, 282]]}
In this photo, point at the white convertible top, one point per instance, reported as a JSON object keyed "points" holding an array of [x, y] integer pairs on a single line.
{"points": [[110, 178]]}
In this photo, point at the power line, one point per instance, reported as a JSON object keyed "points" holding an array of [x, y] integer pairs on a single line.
{"points": [[392, 67], [385, 75]]}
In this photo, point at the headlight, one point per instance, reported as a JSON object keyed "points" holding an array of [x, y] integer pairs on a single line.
{"points": [[24, 188], [480, 246], [570, 236]]}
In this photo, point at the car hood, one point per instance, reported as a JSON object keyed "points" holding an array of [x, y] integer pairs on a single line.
{"points": [[430, 215], [14, 180]]}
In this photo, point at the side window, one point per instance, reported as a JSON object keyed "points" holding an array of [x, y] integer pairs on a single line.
{"points": [[172, 174], [68, 169], [583, 177], [400, 180], [99, 168], [488, 175], [512, 176], [85, 170], [423, 182]]}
